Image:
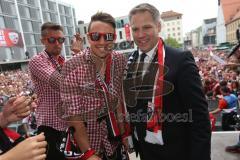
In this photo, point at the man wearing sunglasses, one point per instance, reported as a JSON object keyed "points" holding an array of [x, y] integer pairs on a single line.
{"points": [[45, 69], [91, 92]]}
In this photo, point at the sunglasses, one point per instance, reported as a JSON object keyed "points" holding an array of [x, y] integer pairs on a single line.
{"points": [[53, 40], [96, 36]]}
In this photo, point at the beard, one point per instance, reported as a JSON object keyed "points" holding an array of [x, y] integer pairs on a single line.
{"points": [[55, 51]]}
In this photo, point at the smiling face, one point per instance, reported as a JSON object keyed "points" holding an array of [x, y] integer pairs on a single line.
{"points": [[101, 48], [145, 30]]}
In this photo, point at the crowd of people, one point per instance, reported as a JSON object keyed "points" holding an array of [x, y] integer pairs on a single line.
{"points": [[13, 83]]}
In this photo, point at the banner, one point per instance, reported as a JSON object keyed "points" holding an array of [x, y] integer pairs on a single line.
{"points": [[10, 38], [217, 58], [127, 32]]}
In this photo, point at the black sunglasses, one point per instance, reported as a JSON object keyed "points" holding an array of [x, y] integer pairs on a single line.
{"points": [[53, 40], [95, 36]]}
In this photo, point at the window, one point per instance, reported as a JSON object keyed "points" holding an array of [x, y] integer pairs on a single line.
{"points": [[54, 17], [173, 34], [67, 10], [16, 24], [70, 30], [63, 20], [1, 9], [67, 50], [120, 34], [32, 39], [37, 39], [178, 28], [173, 23], [27, 26], [66, 42], [61, 9], [34, 14], [168, 29], [84, 40], [65, 31], [8, 8], [24, 12], [27, 12], [122, 23], [2, 23], [9, 22], [29, 38], [13, 9], [85, 29], [33, 3], [69, 21], [173, 29], [179, 33], [46, 16], [45, 4], [36, 27], [52, 6]]}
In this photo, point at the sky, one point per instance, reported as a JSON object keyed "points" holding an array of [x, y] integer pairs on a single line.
{"points": [[194, 11]]}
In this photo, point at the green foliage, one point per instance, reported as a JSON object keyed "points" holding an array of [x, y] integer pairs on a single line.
{"points": [[172, 42]]}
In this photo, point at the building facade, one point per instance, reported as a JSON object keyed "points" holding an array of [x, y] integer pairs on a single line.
{"points": [[227, 9], [23, 19], [209, 32], [172, 26], [232, 27]]}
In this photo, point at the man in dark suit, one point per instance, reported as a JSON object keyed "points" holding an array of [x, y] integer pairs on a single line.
{"points": [[164, 96]]}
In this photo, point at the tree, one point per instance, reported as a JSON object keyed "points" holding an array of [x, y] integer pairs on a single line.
{"points": [[172, 42]]}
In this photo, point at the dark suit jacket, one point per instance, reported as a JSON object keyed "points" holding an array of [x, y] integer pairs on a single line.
{"points": [[187, 138]]}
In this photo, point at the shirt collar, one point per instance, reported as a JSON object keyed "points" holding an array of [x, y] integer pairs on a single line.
{"points": [[150, 53]]}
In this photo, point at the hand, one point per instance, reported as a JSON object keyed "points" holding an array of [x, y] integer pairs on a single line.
{"points": [[76, 44], [15, 109], [33, 148], [94, 157]]}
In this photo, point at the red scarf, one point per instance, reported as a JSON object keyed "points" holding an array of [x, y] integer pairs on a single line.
{"points": [[154, 124], [112, 126], [12, 135]]}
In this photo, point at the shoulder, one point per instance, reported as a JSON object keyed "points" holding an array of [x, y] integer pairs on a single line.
{"points": [[39, 56], [119, 57], [177, 52], [74, 63]]}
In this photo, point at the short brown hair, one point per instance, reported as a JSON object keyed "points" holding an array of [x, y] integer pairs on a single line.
{"points": [[50, 26], [145, 7], [102, 17]]}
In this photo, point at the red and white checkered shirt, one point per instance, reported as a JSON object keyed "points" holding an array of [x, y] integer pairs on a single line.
{"points": [[81, 97], [46, 79]]}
